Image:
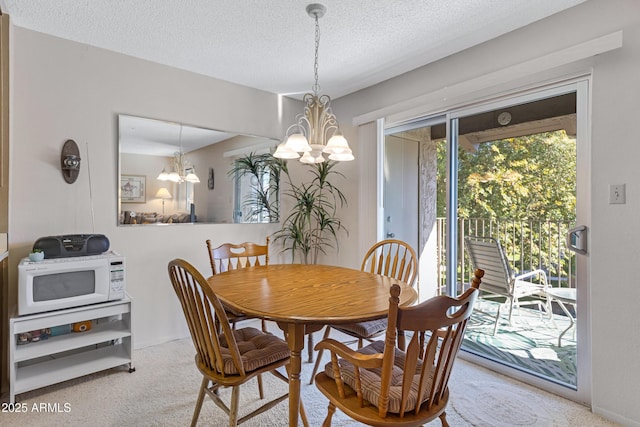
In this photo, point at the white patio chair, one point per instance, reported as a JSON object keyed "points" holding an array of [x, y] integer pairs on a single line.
{"points": [[499, 279]]}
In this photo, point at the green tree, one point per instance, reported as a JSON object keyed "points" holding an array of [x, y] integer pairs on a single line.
{"points": [[524, 178]]}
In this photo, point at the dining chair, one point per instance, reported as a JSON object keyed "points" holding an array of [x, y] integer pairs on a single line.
{"points": [[501, 281], [225, 357], [230, 256], [392, 258], [382, 385]]}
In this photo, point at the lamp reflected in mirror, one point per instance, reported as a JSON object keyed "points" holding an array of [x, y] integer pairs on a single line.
{"points": [[163, 194]]}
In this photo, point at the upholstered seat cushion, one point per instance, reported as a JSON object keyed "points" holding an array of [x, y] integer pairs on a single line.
{"points": [[371, 379], [364, 329], [257, 349]]}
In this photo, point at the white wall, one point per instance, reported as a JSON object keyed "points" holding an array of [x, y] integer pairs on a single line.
{"points": [[214, 205], [615, 108]]}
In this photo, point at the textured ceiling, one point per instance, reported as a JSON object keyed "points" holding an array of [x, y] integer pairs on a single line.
{"points": [[269, 44]]}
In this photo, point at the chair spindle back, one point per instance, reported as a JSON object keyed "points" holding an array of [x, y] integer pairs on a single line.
{"points": [[392, 258], [229, 256], [437, 326], [205, 317]]}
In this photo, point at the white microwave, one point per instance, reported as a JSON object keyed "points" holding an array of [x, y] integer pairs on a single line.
{"points": [[59, 283]]}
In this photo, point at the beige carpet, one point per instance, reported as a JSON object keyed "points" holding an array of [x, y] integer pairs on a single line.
{"points": [[163, 390]]}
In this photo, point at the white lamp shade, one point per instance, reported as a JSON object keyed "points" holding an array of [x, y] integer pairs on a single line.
{"points": [[345, 156], [174, 177], [337, 144], [307, 158], [283, 152], [312, 157], [163, 193], [164, 176], [192, 177], [298, 143]]}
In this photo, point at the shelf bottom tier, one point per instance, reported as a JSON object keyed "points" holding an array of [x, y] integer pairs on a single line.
{"points": [[65, 368]]}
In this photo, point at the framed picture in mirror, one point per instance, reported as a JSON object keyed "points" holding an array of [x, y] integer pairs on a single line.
{"points": [[133, 189]]}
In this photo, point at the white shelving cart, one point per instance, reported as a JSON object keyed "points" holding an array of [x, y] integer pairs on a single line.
{"points": [[60, 358]]}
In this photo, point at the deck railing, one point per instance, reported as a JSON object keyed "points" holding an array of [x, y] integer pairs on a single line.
{"points": [[529, 245]]}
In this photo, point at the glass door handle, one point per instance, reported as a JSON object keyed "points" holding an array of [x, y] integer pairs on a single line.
{"points": [[577, 239]]}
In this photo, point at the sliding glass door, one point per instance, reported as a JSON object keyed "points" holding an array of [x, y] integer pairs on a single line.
{"points": [[512, 171]]}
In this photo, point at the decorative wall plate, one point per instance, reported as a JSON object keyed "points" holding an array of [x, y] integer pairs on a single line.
{"points": [[70, 161]]}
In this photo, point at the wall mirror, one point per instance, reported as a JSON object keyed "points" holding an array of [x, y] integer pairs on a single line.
{"points": [[172, 173]]}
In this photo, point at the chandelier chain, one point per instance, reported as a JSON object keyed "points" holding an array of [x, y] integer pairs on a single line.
{"points": [[316, 86]]}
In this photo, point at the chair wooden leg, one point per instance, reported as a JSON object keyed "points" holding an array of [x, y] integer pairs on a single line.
{"points": [[443, 419], [319, 355], [330, 411], [264, 326], [196, 410], [260, 386], [303, 415], [233, 411], [401, 341], [310, 344]]}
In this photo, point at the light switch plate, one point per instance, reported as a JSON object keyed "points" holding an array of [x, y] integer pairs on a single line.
{"points": [[616, 194]]}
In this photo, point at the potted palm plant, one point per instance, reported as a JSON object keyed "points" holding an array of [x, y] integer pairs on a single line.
{"points": [[312, 226]]}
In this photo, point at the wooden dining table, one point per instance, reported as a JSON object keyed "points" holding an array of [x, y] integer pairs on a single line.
{"points": [[296, 295]]}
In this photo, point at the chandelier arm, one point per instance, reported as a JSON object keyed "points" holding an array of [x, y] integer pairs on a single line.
{"points": [[302, 121], [330, 128], [298, 126]]}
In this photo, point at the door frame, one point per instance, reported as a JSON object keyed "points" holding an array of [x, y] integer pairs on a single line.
{"points": [[425, 289], [581, 85]]}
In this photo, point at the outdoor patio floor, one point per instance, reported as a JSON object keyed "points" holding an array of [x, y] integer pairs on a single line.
{"points": [[530, 343]]}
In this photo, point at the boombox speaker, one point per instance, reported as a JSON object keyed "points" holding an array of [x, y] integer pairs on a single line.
{"points": [[72, 245]]}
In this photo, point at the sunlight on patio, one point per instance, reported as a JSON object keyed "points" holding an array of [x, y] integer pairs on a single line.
{"points": [[530, 343]]}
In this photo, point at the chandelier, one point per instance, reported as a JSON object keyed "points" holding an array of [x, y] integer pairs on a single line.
{"points": [[316, 131], [181, 171]]}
